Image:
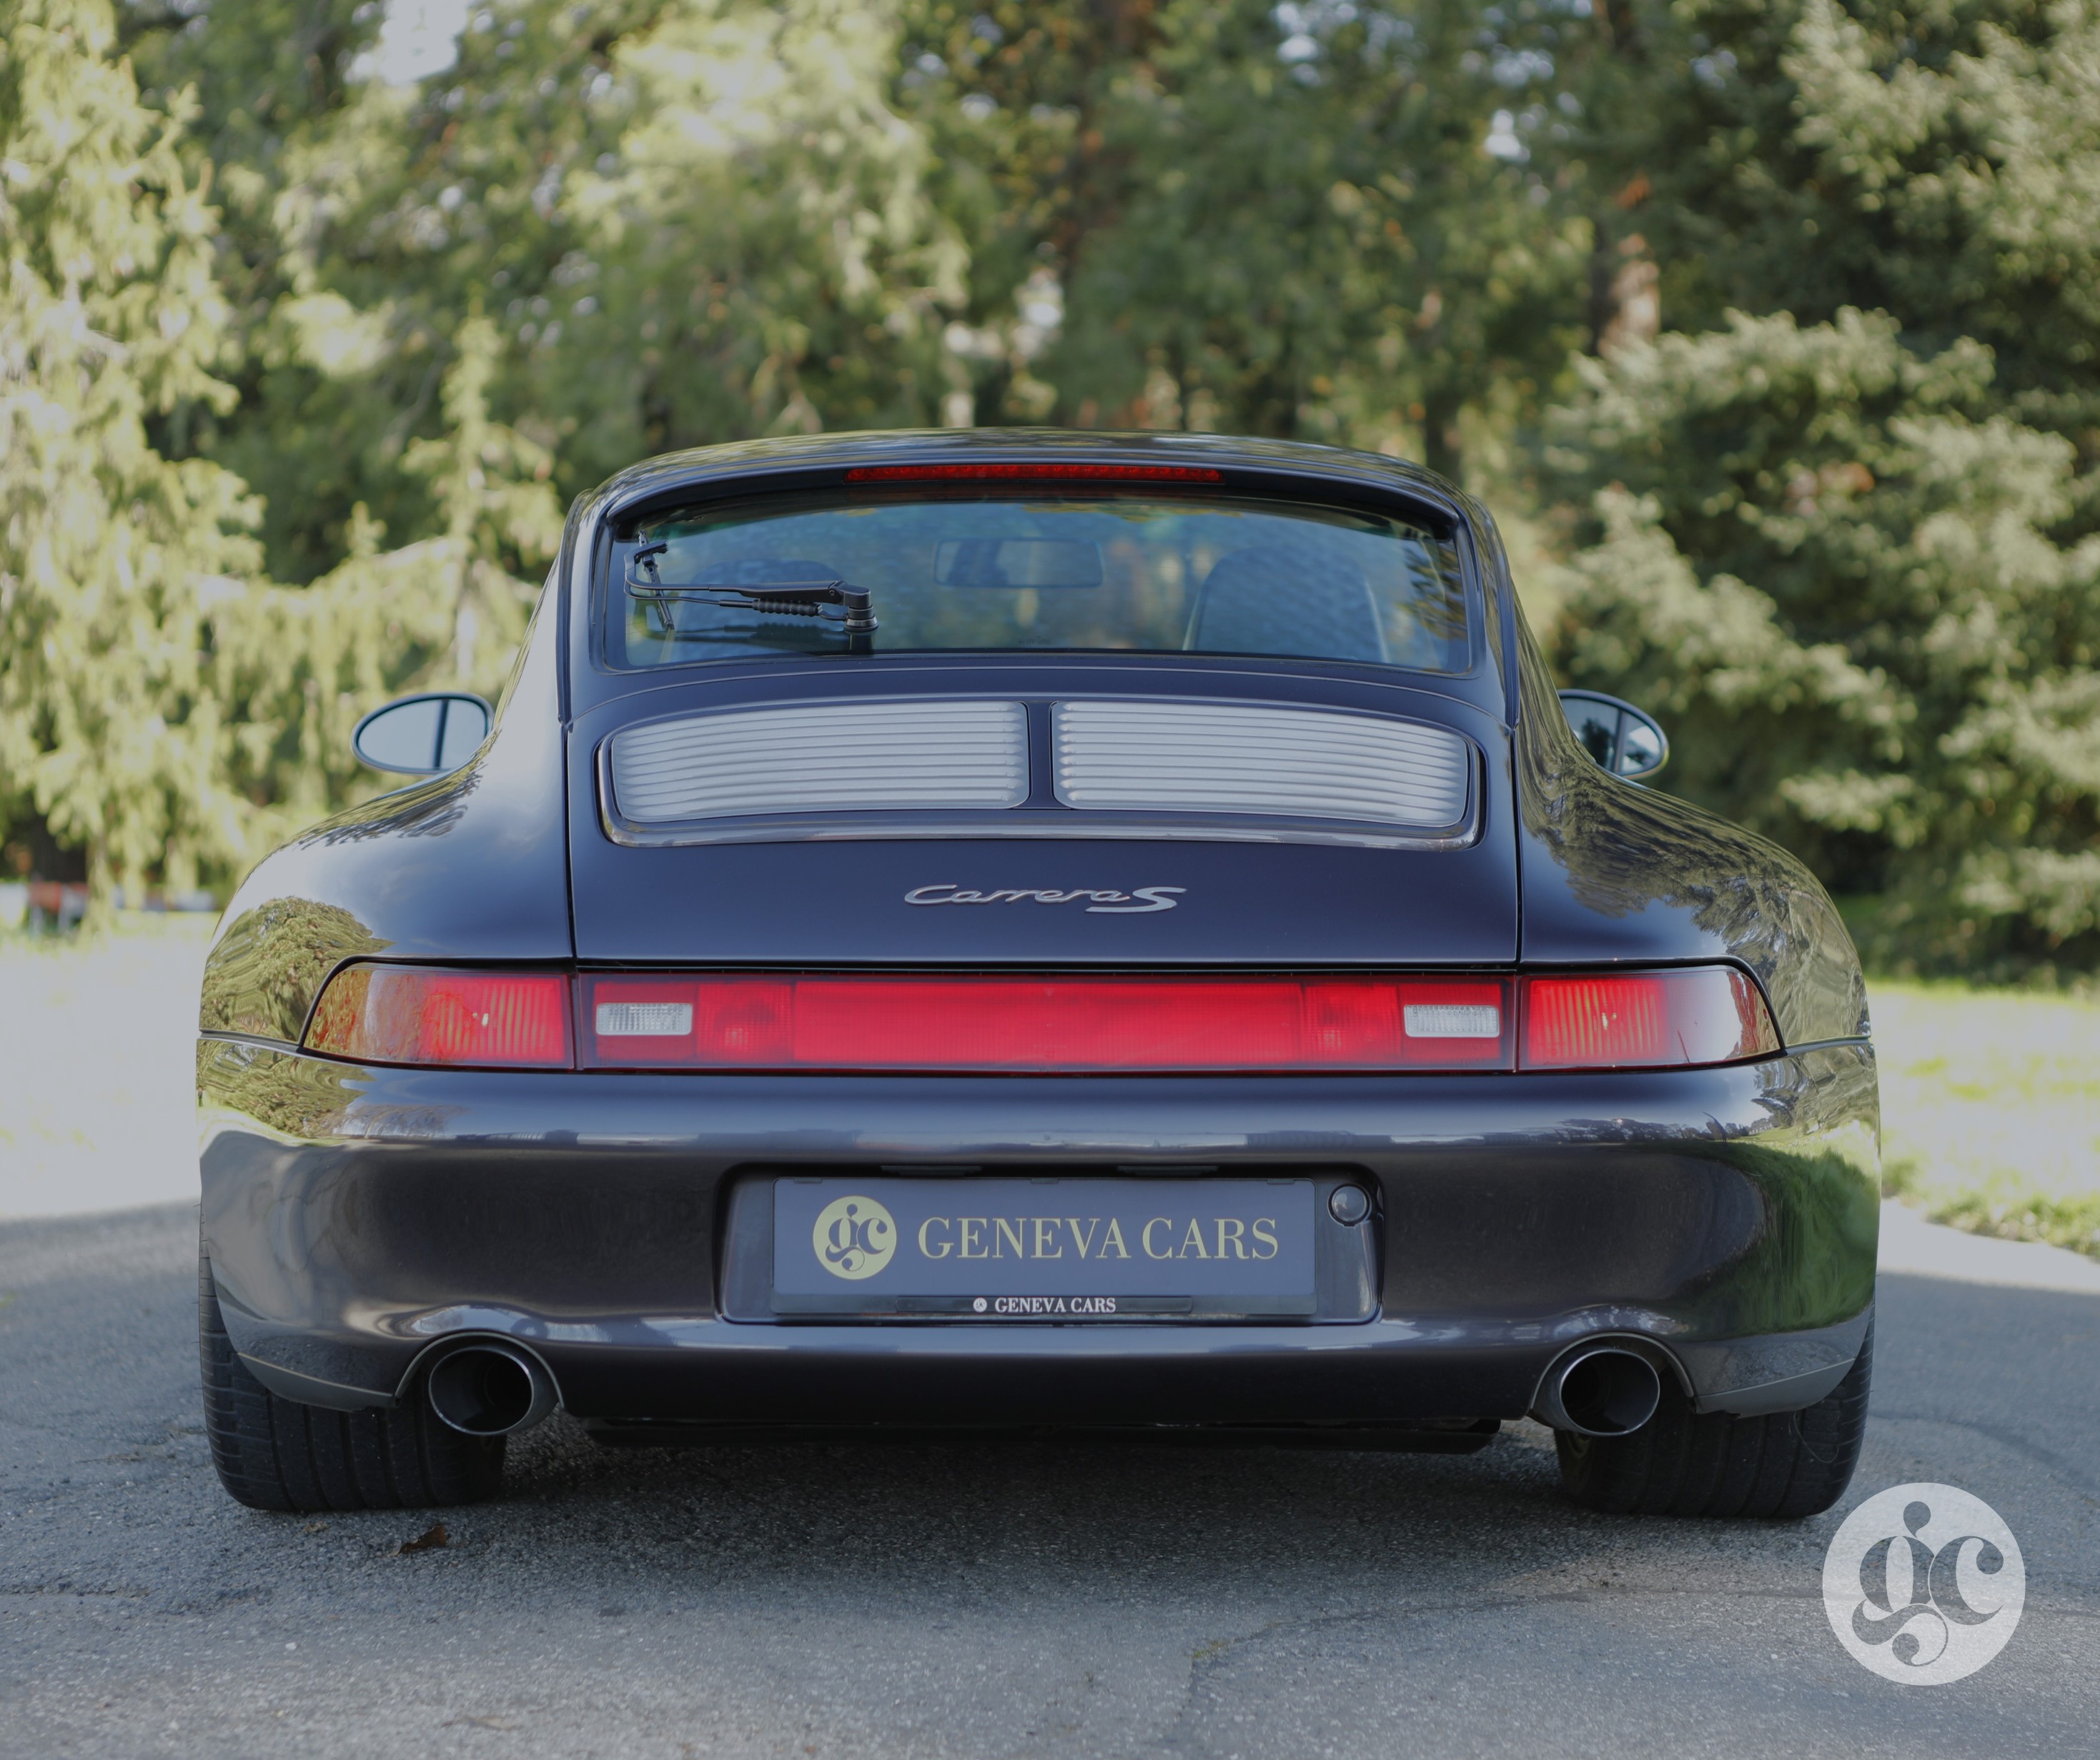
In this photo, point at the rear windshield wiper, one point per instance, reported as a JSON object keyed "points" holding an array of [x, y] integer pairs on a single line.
{"points": [[830, 601]]}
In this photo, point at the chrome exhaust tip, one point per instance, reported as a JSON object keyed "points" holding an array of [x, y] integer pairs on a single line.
{"points": [[491, 1390], [1605, 1391]]}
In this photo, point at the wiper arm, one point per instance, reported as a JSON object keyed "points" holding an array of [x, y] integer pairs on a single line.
{"points": [[832, 602]]}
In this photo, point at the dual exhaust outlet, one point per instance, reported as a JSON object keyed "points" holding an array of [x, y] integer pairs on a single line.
{"points": [[491, 1389], [1604, 1391]]}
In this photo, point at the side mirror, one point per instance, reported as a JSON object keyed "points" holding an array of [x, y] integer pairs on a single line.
{"points": [[432, 734], [1625, 740]]}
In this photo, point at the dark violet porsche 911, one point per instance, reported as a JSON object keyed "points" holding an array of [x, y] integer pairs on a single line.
{"points": [[1006, 930]]}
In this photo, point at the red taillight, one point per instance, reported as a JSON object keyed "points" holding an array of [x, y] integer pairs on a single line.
{"points": [[414, 1014], [1632, 1020], [933, 1022], [1011, 472], [1044, 1024]]}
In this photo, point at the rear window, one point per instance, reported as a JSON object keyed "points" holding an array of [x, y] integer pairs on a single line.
{"points": [[1003, 571]]}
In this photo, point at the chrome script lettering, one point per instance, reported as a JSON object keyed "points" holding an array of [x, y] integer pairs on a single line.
{"points": [[1106, 902]]}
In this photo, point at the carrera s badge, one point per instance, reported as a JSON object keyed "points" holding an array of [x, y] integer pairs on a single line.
{"points": [[1156, 898]]}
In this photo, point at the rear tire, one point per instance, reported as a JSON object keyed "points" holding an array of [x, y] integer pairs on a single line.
{"points": [[1682, 1463], [274, 1453]]}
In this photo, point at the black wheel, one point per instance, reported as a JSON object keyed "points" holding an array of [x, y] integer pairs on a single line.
{"points": [[1682, 1462], [275, 1454]]}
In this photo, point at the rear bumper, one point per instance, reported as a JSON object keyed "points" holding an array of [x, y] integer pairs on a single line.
{"points": [[357, 1219]]}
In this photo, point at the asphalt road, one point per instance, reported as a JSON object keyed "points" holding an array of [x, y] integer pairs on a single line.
{"points": [[1008, 1599]]}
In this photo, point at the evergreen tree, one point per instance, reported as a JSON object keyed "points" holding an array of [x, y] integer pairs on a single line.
{"points": [[292, 668], [1842, 520], [268, 79], [1828, 564], [109, 319], [162, 705], [1940, 163], [688, 222], [1303, 221]]}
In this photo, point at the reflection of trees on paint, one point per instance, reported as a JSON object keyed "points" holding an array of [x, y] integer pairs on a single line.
{"points": [[1624, 848], [261, 977], [1591, 1216], [1810, 1261], [298, 1097], [428, 809]]}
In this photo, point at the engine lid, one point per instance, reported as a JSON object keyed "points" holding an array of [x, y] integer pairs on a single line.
{"points": [[1120, 815]]}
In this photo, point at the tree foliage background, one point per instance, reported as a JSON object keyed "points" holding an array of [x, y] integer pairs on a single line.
{"points": [[1769, 325]]}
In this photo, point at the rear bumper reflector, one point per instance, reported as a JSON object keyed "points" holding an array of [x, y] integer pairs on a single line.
{"points": [[1041, 1023]]}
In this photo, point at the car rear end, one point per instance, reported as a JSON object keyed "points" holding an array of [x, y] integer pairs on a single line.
{"points": [[1096, 995]]}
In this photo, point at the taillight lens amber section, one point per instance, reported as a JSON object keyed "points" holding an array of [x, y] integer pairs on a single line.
{"points": [[1645, 1020], [417, 1014], [932, 1022]]}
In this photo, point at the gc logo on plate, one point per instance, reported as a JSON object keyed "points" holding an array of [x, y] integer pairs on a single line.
{"points": [[854, 1236]]}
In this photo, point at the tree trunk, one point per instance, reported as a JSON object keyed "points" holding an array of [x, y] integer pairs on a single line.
{"points": [[1625, 301], [1443, 445]]}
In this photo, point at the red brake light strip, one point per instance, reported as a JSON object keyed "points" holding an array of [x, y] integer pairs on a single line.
{"points": [[927, 1022], [870, 473], [1045, 1024]]}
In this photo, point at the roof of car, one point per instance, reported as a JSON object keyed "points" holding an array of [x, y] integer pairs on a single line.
{"points": [[788, 455]]}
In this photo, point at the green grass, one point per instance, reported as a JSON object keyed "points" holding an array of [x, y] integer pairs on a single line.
{"points": [[1991, 1108]]}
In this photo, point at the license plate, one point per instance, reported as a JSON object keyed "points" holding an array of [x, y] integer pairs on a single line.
{"points": [[1043, 1250]]}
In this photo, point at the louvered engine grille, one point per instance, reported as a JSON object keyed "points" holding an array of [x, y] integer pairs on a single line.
{"points": [[1174, 757], [827, 757]]}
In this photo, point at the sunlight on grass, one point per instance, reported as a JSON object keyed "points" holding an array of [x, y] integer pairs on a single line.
{"points": [[1991, 1109]]}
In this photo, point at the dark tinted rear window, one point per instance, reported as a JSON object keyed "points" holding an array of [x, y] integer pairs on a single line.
{"points": [[1069, 571]]}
